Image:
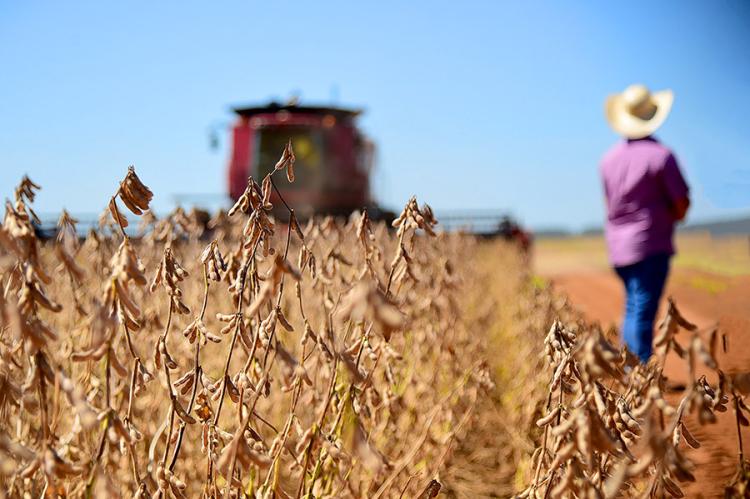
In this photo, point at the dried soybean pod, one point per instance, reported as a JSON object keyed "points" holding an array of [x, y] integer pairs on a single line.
{"points": [[116, 215], [672, 488], [187, 418], [432, 490], [283, 321], [689, 438], [544, 421]]}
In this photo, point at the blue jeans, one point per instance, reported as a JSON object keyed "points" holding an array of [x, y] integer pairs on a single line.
{"points": [[644, 283]]}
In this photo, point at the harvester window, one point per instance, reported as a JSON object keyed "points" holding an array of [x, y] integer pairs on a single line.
{"points": [[308, 148]]}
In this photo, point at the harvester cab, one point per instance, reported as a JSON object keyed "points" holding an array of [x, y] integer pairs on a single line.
{"points": [[334, 158]]}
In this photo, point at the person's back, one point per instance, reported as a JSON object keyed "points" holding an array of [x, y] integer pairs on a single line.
{"points": [[645, 195], [642, 184]]}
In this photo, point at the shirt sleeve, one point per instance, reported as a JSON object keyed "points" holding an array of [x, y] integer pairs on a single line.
{"points": [[674, 182]]}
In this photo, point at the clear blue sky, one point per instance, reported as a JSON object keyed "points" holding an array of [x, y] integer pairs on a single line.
{"points": [[472, 104]]}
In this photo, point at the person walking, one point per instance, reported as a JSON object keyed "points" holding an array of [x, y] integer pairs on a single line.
{"points": [[646, 195]]}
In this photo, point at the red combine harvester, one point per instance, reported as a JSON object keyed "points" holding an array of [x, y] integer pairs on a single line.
{"points": [[334, 158]]}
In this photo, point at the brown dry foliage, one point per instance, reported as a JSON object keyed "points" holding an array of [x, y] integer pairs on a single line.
{"points": [[607, 429], [324, 360], [341, 358]]}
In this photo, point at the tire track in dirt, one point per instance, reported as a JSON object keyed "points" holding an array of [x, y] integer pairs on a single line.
{"points": [[598, 295]]}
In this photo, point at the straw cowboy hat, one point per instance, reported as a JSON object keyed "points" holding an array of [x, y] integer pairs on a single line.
{"points": [[636, 112]]}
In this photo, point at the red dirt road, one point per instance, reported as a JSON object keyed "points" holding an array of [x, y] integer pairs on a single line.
{"points": [[706, 300]]}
